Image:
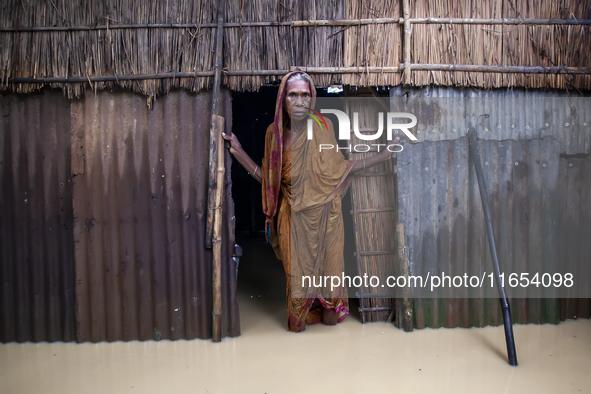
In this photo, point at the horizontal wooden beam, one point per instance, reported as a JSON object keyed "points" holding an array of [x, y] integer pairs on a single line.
{"points": [[108, 78], [501, 69], [311, 70], [304, 23], [499, 21], [345, 70]]}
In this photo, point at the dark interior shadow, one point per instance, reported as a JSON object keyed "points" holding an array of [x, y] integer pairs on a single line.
{"points": [[261, 276]]}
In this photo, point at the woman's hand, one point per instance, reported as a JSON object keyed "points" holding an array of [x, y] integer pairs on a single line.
{"points": [[235, 146], [239, 154]]}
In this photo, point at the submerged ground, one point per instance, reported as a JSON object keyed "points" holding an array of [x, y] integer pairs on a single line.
{"points": [[348, 358]]}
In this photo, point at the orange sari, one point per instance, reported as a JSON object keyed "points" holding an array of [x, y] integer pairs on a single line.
{"points": [[302, 190]]}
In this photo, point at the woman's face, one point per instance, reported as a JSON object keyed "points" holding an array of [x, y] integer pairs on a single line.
{"points": [[297, 99]]}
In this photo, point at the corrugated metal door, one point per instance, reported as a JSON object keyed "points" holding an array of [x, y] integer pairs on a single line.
{"points": [[140, 202], [36, 262]]}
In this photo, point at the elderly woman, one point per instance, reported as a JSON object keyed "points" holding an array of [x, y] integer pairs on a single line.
{"points": [[302, 190]]}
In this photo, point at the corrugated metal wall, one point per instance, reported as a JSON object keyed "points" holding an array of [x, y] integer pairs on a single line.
{"points": [[103, 208], [140, 206], [36, 262], [442, 212], [500, 114], [575, 226], [533, 207]]}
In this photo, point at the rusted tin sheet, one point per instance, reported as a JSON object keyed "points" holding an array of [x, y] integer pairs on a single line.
{"points": [[140, 202], [440, 206], [446, 113], [575, 226], [36, 264]]}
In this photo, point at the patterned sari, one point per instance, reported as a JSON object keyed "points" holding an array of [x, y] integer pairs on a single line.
{"points": [[302, 190]]}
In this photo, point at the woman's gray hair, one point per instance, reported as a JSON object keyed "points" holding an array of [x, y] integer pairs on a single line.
{"points": [[299, 76]]}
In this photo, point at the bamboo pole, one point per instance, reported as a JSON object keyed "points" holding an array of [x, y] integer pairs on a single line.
{"points": [[214, 113], [323, 22], [502, 69], [344, 22], [345, 70], [406, 42], [216, 277], [112, 78], [314, 70], [254, 72], [405, 309], [498, 21]]}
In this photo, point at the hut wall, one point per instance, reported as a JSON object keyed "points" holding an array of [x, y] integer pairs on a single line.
{"points": [[182, 38], [110, 244], [539, 206], [36, 240]]}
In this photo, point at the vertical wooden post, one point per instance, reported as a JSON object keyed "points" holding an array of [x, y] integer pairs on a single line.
{"points": [[216, 278], [405, 308], [214, 113], [406, 41]]}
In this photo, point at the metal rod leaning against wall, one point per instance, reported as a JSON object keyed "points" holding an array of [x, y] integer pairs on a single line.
{"points": [[219, 47], [509, 338]]}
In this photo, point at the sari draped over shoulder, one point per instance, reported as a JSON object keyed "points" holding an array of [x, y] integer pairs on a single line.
{"points": [[302, 190]]}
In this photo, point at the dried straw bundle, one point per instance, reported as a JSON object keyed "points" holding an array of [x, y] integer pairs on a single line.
{"points": [[270, 50], [501, 45], [373, 45], [107, 52], [280, 47]]}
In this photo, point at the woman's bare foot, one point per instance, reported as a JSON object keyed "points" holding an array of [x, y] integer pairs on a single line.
{"points": [[329, 317]]}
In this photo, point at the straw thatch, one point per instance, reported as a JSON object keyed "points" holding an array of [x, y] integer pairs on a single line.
{"points": [[117, 51], [107, 52], [373, 45], [518, 45]]}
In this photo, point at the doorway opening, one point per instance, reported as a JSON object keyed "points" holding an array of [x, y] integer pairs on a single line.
{"points": [[261, 278]]}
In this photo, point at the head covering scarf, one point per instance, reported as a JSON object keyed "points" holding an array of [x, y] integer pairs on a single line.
{"points": [[272, 174]]}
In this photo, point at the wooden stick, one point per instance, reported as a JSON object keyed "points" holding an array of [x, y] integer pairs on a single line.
{"points": [[345, 70], [406, 76], [323, 22], [254, 72], [502, 69], [315, 70], [214, 114], [500, 21], [112, 78], [344, 22], [405, 310], [216, 277]]}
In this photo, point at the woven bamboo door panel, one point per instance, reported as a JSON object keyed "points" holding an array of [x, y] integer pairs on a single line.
{"points": [[374, 211]]}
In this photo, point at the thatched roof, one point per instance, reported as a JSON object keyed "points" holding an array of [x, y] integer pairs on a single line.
{"points": [[94, 43]]}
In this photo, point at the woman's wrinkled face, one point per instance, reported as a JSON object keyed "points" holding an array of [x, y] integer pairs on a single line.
{"points": [[297, 99]]}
